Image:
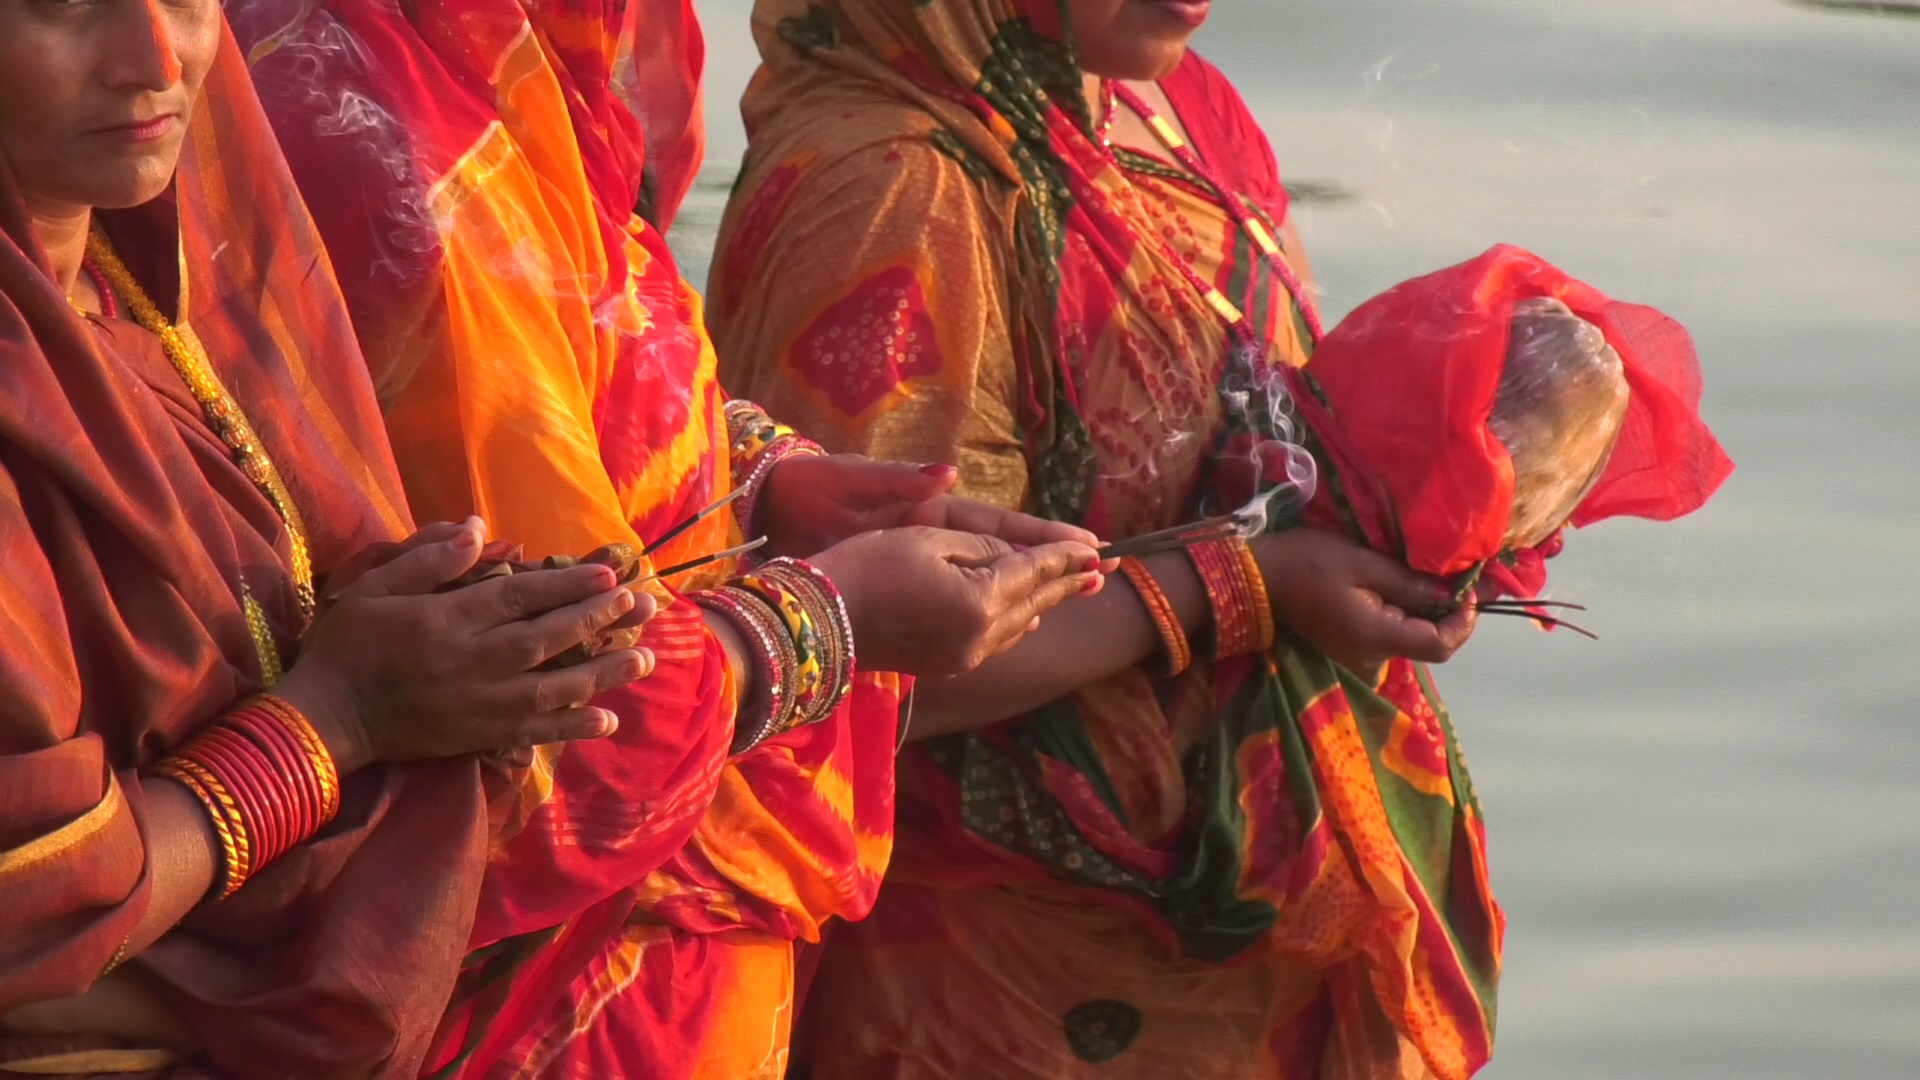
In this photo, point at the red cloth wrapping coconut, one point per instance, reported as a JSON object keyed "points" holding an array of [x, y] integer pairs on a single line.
{"points": [[1398, 397]]}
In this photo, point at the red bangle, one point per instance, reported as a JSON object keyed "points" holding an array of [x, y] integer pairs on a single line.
{"points": [[290, 763], [1242, 622], [312, 749], [263, 802]]}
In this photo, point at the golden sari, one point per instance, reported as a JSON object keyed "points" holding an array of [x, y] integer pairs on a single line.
{"points": [[1265, 867]]}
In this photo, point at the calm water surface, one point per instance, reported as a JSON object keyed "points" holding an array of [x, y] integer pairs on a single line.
{"points": [[1706, 827]]}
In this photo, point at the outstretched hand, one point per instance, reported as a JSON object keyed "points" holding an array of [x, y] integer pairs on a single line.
{"points": [[929, 602], [813, 503]]}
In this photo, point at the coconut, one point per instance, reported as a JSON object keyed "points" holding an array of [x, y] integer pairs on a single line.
{"points": [[1559, 409]]}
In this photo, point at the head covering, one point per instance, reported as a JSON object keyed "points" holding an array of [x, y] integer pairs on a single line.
{"points": [[1048, 250], [1399, 395], [128, 536]]}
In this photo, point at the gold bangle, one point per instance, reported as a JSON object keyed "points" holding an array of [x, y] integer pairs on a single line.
{"points": [[236, 857]]}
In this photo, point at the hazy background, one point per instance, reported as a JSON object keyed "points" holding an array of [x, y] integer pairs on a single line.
{"points": [[1706, 827]]}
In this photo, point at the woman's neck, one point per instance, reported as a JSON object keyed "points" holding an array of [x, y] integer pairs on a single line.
{"points": [[63, 232]]}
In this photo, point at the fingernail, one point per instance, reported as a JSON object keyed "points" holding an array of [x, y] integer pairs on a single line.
{"points": [[624, 602], [1092, 585], [605, 724], [1091, 566], [635, 667], [937, 470]]}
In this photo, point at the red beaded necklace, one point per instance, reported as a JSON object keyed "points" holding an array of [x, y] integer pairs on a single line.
{"points": [[109, 309], [1236, 206]]}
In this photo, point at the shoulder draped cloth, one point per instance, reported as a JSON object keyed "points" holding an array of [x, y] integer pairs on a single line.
{"points": [[1269, 866], [475, 166], [128, 535]]}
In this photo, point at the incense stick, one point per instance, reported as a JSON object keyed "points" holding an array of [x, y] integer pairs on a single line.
{"points": [[1180, 536], [703, 560], [725, 501], [1544, 620]]}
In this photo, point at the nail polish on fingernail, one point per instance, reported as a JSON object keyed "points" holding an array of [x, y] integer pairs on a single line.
{"points": [[1091, 566], [1092, 584], [937, 470]]}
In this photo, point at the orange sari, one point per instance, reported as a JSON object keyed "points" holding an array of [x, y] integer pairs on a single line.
{"points": [[130, 538], [475, 165], [1266, 867]]}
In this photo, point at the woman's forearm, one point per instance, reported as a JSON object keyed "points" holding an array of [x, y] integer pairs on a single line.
{"points": [[183, 855], [1080, 642]]}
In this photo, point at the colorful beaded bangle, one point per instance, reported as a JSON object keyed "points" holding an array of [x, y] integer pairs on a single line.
{"points": [[829, 600], [749, 432], [815, 618], [756, 443], [756, 481], [1160, 609], [1238, 602], [811, 661], [266, 780], [766, 633]]}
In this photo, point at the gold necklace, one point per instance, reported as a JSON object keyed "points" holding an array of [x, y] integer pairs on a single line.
{"points": [[230, 423]]}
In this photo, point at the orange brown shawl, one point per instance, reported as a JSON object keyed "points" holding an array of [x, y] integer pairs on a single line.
{"points": [[128, 534]]}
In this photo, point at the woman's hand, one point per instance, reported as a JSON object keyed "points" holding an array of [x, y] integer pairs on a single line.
{"points": [[394, 671], [927, 601], [1354, 604], [812, 503]]}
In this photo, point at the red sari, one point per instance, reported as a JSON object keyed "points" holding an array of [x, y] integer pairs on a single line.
{"points": [[475, 166], [129, 535]]}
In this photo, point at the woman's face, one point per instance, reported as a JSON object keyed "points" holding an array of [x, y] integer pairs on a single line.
{"points": [[95, 95], [1135, 39]]}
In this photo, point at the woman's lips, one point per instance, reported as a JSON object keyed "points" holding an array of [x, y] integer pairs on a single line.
{"points": [[142, 131], [1190, 13]]}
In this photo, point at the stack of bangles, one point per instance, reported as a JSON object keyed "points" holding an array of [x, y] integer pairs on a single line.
{"points": [[266, 780], [1236, 594], [792, 615], [755, 444]]}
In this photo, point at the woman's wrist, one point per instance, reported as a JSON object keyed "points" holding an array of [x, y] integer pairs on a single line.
{"points": [[791, 628], [265, 779], [331, 709]]}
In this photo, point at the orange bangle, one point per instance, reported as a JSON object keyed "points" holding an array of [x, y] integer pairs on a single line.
{"points": [[1172, 635], [1256, 585]]}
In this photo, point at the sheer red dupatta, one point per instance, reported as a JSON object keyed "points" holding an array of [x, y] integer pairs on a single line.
{"points": [[1399, 394]]}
